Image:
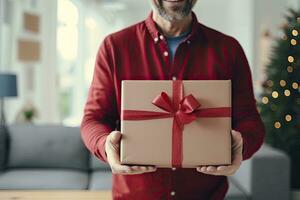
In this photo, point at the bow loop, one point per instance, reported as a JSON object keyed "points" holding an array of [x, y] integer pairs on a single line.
{"points": [[189, 104], [164, 102]]}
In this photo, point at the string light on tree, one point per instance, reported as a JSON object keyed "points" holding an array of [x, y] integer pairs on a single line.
{"points": [[295, 32], [291, 59], [289, 69], [282, 83], [275, 94], [287, 93], [293, 42], [277, 125], [295, 85], [270, 83], [265, 100], [288, 118]]}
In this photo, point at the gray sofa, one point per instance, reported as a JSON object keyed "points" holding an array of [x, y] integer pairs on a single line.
{"points": [[54, 157]]}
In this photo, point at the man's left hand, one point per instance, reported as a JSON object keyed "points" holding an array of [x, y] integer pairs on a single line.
{"points": [[237, 157]]}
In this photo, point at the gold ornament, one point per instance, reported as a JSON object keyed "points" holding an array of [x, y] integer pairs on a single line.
{"points": [[288, 118], [277, 125], [282, 83], [265, 100], [287, 93], [289, 69], [295, 85], [295, 33], [275, 94], [291, 59]]}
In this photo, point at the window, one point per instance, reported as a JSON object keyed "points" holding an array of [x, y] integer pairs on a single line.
{"points": [[82, 25]]}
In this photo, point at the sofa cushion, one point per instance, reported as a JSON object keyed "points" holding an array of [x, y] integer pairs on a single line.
{"points": [[97, 164], [43, 179], [100, 180], [48, 146], [235, 191]]}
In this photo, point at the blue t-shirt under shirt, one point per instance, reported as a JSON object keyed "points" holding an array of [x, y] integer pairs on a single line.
{"points": [[173, 42]]}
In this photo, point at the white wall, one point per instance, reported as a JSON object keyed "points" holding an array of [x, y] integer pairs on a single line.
{"points": [[232, 17]]}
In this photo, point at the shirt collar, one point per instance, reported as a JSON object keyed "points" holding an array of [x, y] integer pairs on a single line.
{"points": [[195, 32]]}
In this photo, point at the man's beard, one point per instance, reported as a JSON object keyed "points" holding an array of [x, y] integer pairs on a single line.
{"points": [[178, 13]]}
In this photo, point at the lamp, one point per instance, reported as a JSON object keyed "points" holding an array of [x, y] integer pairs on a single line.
{"points": [[8, 88]]}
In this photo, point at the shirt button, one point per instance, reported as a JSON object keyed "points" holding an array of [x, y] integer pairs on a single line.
{"points": [[173, 168], [174, 78], [161, 37], [166, 53], [156, 39], [189, 42], [173, 193]]}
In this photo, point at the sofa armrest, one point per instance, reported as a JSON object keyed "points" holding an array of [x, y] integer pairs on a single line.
{"points": [[266, 175]]}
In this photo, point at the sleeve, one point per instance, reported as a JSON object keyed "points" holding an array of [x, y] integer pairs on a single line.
{"points": [[245, 116], [100, 110]]}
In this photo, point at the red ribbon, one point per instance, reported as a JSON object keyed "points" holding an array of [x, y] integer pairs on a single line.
{"points": [[184, 110]]}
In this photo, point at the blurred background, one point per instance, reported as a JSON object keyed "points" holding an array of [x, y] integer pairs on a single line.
{"points": [[65, 35], [47, 55]]}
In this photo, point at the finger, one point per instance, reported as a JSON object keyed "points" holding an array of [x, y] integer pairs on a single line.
{"points": [[237, 140], [201, 168], [125, 169], [113, 147], [113, 156], [237, 158], [237, 146], [121, 169], [115, 137], [211, 169], [222, 168], [143, 168], [204, 170], [214, 170], [226, 170]]}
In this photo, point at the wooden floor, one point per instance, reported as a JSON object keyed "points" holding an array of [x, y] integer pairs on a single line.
{"points": [[54, 195]]}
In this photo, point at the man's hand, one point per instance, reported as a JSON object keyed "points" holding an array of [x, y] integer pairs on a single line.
{"points": [[112, 149], [237, 157]]}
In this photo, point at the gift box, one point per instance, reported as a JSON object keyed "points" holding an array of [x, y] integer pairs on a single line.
{"points": [[176, 123]]}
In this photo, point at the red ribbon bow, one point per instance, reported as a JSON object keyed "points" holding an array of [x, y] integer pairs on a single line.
{"points": [[184, 110], [185, 113]]}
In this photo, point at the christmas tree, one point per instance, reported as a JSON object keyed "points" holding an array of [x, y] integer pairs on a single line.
{"points": [[279, 105]]}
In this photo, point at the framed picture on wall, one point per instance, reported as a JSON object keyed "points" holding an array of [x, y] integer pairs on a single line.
{"points": [[31, 22]]}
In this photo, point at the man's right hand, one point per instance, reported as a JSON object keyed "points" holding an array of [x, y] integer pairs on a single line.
{"points": [[112, 149]]}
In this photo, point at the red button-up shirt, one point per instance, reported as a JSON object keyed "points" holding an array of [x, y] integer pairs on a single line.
{"points": [[140, 52]]}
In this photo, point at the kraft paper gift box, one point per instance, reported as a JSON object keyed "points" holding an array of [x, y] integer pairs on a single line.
{"points": [[174, 123]]}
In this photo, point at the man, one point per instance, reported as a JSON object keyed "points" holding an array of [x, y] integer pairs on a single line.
{"points": [[169, 44]]}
